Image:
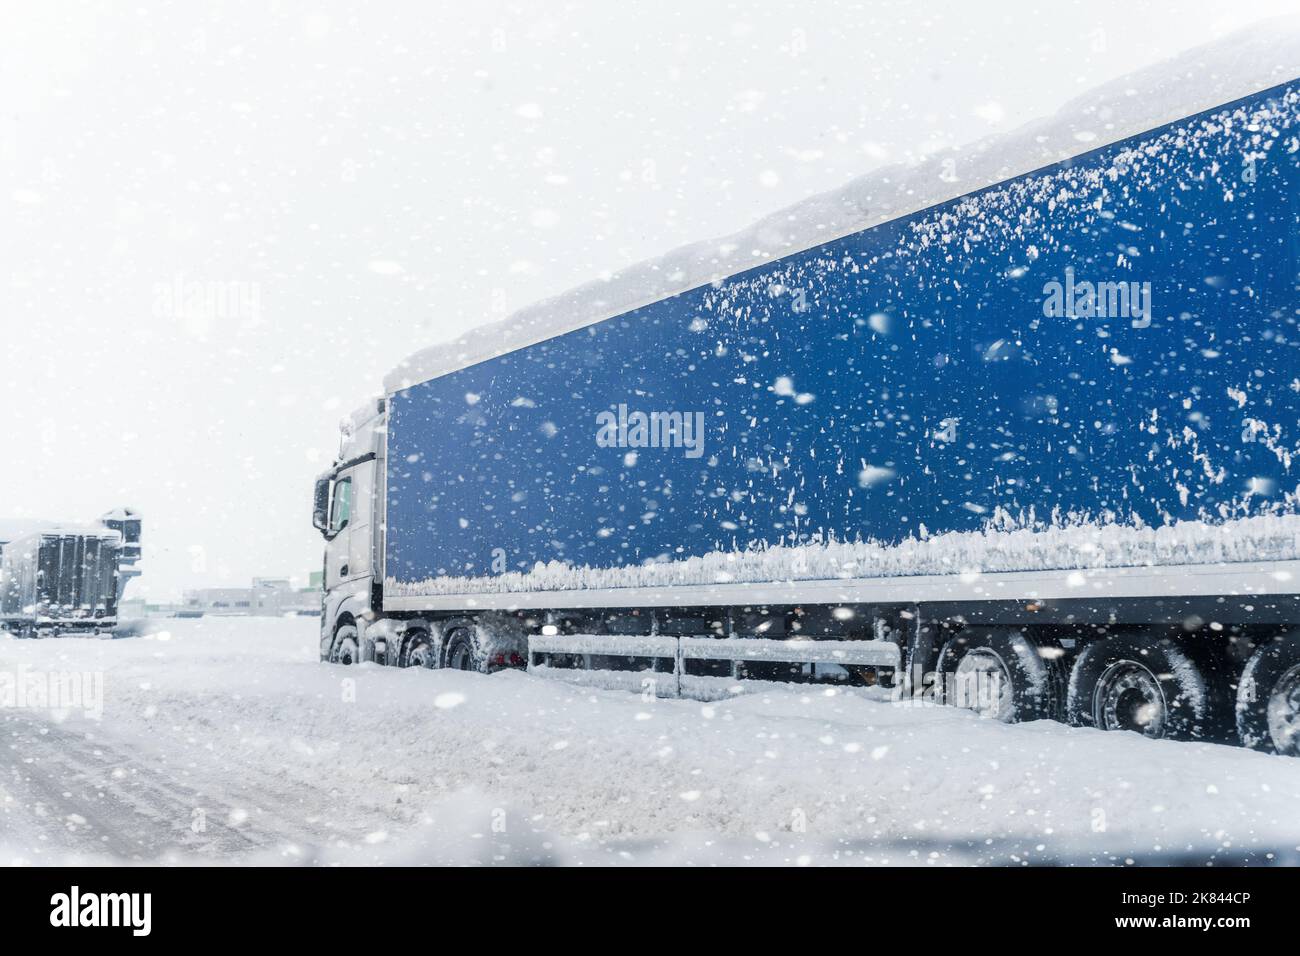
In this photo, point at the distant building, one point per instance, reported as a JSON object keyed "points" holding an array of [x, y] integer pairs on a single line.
{"points": [[265, 597], [130, 609]]}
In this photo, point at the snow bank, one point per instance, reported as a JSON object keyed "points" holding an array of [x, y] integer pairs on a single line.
{"points": [[1263, 55], [1063, 545], [225, 741]]}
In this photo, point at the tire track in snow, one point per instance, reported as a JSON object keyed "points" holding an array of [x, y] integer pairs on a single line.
{"points": [[62, 789]]}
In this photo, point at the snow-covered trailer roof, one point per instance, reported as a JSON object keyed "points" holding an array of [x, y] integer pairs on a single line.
{"points": [[1246, 62], [15, 529], [66, 531]]}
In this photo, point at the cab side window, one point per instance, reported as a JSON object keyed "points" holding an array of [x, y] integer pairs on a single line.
{"points": [[341, 510]]}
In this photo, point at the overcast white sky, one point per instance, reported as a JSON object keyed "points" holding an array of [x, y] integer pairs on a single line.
{"points": [[377, 177]]}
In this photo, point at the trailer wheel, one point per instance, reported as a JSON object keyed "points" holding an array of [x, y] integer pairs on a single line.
{"points": [[464, 653], [1132, 683], [1001, 673], [421, 652], [347, 649], [1268, 697]]}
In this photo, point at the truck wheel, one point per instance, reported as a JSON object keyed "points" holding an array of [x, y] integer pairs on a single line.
{"points": [[347, 649], [421, 653], [1001, 673], [1144, 685], [464, 653], [1268, 697]]}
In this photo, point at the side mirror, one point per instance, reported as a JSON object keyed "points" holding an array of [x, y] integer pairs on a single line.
{"points": [[320, 514]]}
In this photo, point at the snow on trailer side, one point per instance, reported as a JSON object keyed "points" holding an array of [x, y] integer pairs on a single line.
{"points": [[1106, 343]]}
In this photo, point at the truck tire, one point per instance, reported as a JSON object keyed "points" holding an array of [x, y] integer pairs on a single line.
{"points": [[347, 647], [421, 652], [1268, 697], [464, 653], [1002, 673], [1140, 684]]}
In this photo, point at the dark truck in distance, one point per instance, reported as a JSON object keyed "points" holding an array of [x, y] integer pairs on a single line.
{"points": [[1036, 437], [66, 579]]}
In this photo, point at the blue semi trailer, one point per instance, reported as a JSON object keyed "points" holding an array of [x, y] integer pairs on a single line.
{"points": [[1028, 449]]}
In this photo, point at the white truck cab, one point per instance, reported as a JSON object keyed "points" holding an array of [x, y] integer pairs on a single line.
{"points": [[348, 512]]}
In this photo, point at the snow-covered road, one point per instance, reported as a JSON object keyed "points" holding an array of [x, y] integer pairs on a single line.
{"points": [[225, 739]]}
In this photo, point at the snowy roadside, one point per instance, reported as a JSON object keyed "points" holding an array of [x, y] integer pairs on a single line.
{"points": [[223, 740]]}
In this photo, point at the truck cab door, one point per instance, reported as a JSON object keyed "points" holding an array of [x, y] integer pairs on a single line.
{"points": [[360, 526], [338, 532], [348, 523]]}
